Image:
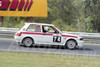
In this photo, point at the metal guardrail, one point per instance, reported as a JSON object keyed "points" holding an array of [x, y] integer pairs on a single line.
{"points": [[3, 29], [88, 37], [83, 34], [7, 32]]}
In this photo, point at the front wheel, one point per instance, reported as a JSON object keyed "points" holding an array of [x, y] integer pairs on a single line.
{"points": [[71, 44], [28, 42]]}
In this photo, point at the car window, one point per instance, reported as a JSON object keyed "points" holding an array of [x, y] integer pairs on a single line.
{"points": [[53, 30], [34, 28], [31, 28], [43, 29], [49, 30], [38, 28]]}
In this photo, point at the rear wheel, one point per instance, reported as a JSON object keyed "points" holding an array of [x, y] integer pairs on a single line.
{"points": [[28, 42], [71, 44]]}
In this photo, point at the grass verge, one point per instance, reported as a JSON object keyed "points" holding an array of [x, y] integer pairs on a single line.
{"points": [[16, 59]]}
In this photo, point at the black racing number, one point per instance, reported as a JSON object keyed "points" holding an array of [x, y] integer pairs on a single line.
{"points": [[57, 39]]}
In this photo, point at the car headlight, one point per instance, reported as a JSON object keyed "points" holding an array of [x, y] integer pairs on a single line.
{"points": [[81, 38]]}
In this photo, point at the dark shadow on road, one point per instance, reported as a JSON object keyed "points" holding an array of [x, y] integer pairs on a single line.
{"points": [[56, 47]]}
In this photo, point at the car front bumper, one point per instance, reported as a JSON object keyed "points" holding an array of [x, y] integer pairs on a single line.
{"points": [[80, 43]]}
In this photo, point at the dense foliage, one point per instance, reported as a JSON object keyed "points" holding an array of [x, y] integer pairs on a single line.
{"points": [[68, 15]]}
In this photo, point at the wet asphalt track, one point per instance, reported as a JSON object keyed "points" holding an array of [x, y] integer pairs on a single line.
{"points": [[86, 50]]}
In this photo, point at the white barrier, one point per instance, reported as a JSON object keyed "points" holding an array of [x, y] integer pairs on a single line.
{"points": [[83, 34], [8, 29]]}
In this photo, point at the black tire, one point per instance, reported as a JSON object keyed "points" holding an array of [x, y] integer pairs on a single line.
{"points": [[28, 42], [71, 44]]}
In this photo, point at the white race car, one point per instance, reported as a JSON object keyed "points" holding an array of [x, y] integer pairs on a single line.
{"points": [[38, 33]]}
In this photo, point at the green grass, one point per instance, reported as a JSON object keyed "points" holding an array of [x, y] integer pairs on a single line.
{"points": [[16, 59]]}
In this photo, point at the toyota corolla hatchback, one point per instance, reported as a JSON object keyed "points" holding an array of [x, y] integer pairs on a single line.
{"points": [[48, 34]]}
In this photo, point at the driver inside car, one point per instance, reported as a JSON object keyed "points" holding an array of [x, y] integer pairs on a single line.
{"points": [[46, 29]]}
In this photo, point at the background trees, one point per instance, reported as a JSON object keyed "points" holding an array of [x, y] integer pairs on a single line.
{"points": [[68, 15]]}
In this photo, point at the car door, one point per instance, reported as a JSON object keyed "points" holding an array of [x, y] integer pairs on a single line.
{"points": [[51, 37]]}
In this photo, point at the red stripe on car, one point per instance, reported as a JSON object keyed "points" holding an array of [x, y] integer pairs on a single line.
{"points": [[31, 33], [69, 36], [43, 34], [35, 33]]}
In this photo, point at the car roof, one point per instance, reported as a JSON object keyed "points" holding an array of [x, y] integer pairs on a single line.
{"points": [[41, 24]]}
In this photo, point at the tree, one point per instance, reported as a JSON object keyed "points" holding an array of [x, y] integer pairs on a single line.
{"points": [[92, 9]]}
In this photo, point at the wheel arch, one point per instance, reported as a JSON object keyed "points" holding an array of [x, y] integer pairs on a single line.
{"points": [[27, 37], [71, 39]]}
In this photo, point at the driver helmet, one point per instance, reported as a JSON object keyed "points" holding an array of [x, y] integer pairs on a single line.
{"points": [[46, 29]]}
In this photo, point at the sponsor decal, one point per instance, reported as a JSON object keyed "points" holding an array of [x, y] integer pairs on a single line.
{"points": [[27, 2], [57, 39], [4, 4], [15, 4], [23, 8], [21, 5]]}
